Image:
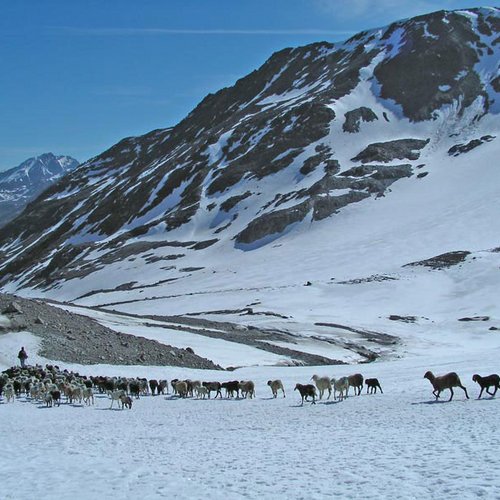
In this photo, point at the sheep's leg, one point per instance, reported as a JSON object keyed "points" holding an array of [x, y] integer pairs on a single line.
{"points": [[465, 390], [283, 393], [329, 393], [492, 393], [482, 389], [451, 397]]}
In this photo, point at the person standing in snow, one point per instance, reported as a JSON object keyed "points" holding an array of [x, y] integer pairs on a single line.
{"points": [[22, 357]]}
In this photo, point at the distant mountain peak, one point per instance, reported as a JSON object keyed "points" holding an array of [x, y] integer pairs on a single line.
{"points": [[22, 184]]}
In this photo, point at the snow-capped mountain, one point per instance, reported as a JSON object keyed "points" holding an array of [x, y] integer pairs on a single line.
{"points": [[22, 184], [332, 165]]}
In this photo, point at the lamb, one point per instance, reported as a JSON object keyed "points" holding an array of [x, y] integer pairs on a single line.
{"points": [[342, 385], [275, 385], [247, 388], [486, 382], [356, 382], [126, 401], [306, 391], [447, 381], [322, 383], [201, 392], [371, 385]]}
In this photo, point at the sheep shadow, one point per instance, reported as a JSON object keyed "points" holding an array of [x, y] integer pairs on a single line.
{"points": [[433, 402], [328, 403]]}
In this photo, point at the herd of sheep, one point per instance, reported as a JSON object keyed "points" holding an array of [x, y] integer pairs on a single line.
{"points": [[50, 385]]}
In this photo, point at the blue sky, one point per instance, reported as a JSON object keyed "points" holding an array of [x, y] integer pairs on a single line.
{"points": [[77, 76]]}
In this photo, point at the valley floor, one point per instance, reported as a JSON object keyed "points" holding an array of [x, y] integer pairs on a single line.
{"points": [[400, 444]]}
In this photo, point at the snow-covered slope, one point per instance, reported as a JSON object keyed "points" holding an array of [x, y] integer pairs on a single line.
{"points": [[22, 184]]}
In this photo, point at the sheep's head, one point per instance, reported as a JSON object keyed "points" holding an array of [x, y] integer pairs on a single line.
{"points": [[428, 375]]}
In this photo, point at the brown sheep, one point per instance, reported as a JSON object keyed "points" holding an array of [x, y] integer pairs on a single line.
{"points": [[306, 391], [371, 385], [275, 385], [447, 381], [486, 382], [356, 382]]}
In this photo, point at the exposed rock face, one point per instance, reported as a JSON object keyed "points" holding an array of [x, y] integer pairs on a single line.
{"points": [[354, 118], [401, 149], [444, 260], [252, 161], [458, 149]]}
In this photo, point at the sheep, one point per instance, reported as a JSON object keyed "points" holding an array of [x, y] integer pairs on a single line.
{"points": [[447, 381], [56, 397], [306, 391], [371, 385], [162, 386], [342, 385], [486, 382], [231, 387], [134, 388], [115, 396], [213, 386], [247, 388], [126, 401], [88, 395], [153, 385], [9, 393], [201, 392], [181, 388], [192, 385], [356, 382], [48, 400], [275, 385], [322, 383]]}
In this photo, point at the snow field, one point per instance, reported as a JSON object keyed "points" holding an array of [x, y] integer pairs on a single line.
{"points": [[400, 444]]}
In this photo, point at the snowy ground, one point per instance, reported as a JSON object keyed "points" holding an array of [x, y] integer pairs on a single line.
{"points": [[400, 444]]}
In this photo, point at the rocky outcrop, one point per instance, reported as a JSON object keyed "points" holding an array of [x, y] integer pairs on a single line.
{"points": [[400, 149], [459, 149], [354, 118]]}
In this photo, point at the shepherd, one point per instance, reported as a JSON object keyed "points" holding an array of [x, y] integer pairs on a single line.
{"points": [[23, 356]]}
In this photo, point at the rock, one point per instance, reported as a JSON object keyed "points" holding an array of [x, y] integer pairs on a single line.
{"points": [[356, 116], [475, 318], [392, 150], [13, 308]]}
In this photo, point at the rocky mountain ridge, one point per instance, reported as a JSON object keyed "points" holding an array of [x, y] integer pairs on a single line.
{"points": [[312, 131]]}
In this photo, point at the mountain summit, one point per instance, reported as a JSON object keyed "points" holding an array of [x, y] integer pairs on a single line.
{"points": [[314, 132], [22, 184]]}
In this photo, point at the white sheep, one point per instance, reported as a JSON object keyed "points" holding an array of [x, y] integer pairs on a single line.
{"points": [[88, 395], [201, 392], [116, 396], [342, 386], [322, 383]]}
